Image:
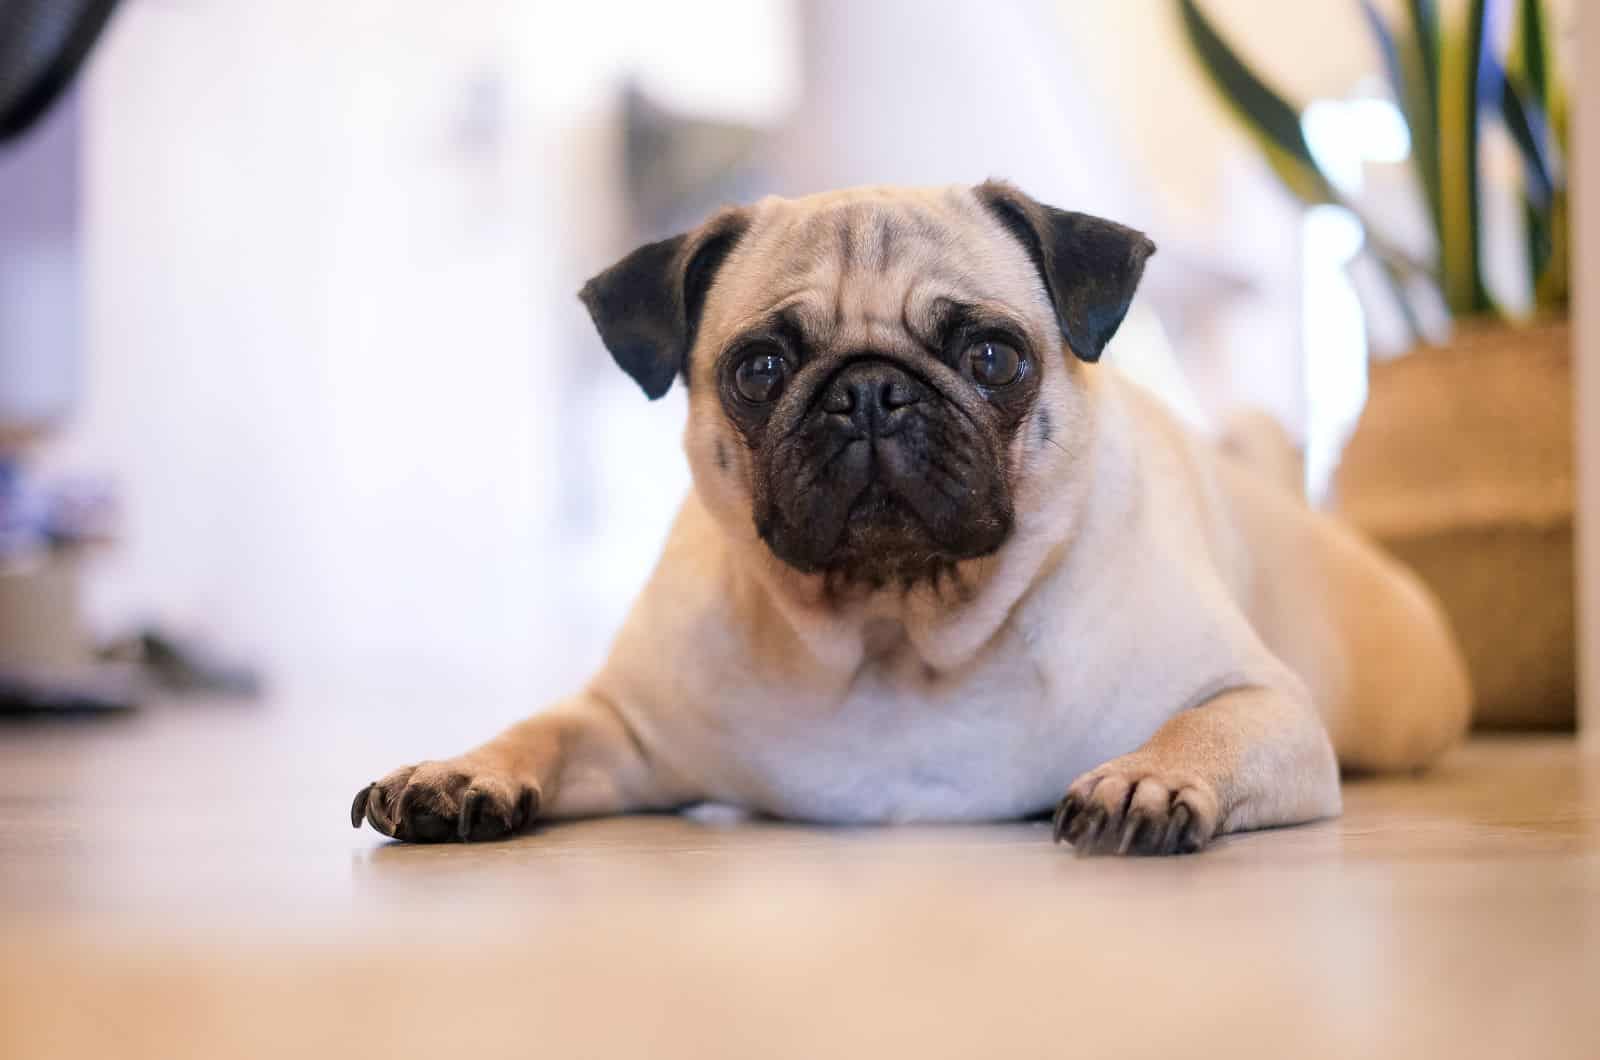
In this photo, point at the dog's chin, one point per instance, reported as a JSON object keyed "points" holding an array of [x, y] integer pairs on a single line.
{"points": [[884, 543]]}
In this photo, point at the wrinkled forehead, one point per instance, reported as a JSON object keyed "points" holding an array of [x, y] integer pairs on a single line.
{"points": [[871, 266]]}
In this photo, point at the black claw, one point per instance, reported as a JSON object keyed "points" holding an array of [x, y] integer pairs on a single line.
{"points": [[402, 813], [358, 808], [1084, 837], [1072, 831], [527, 806], [378, 813], [471, 805], [1097, 829], [1074, 824], [1130, 832], [1189, 841], [1066, 810], [1175, 828]]}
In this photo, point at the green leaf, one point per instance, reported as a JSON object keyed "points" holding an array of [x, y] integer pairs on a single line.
{"points": [[1424, 50], [1553, 286], [1536, 220], [1532, 50], [1526, 123], [1411, 66], [1265, 114], [1548, 233], [1460, 71], [1425, 31], [1532, 62], [1535, 112]]}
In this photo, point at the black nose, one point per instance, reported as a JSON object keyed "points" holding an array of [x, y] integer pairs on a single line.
{"points": [[869, 393]]}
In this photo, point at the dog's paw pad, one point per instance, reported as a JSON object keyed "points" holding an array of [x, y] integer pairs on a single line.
{"points": [[1133, 809], [439, 801]]}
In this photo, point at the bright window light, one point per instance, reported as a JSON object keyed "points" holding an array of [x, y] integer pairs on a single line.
{"points": [[1344, 135], [1334, 338], [1384, 135]]}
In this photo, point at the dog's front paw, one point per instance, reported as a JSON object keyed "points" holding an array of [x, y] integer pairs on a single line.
{"points": [[1132, 805], [438, 801]]}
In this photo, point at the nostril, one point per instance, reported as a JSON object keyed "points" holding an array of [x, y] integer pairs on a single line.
{"points": [[897, 394], [840, 400]]}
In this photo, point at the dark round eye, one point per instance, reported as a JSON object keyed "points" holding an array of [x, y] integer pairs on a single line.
{"points": [[761, 375], [994, 364]]}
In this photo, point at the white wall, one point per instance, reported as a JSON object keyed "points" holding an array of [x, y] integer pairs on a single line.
{"points": [[1097, 107], [363, 429], [40, 272]]}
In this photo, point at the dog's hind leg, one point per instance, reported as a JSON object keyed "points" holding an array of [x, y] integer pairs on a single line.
{"points": [[1256, 440], [1359, 629]]}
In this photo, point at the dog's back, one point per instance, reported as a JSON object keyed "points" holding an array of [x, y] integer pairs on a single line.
{"points": [[1369, 641]]}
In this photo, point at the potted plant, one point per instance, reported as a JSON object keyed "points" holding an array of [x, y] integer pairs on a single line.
{"points": [[1461, 464]]}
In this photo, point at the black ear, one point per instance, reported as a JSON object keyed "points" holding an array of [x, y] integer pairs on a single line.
{"points": [[647, 306], [1090, 266]]}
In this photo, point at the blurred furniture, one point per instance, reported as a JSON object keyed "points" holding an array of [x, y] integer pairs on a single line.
{"points": [[40, 627], [46, 659]]}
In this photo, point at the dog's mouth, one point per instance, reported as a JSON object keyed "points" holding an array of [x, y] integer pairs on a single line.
{"points": [[897, 505], [881, 521], [878, 503]]}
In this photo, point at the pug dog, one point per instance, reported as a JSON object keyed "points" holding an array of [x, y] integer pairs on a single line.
{"points": [[940, 564]]}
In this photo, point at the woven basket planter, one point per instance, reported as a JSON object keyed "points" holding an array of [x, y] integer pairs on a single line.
{"points": [[1462, 467]]}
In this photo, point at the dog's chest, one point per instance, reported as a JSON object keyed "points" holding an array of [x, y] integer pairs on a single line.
{"points": [[904, 743]]}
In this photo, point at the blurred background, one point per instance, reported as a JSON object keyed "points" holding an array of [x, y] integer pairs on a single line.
{"points": [[293, 376]]}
